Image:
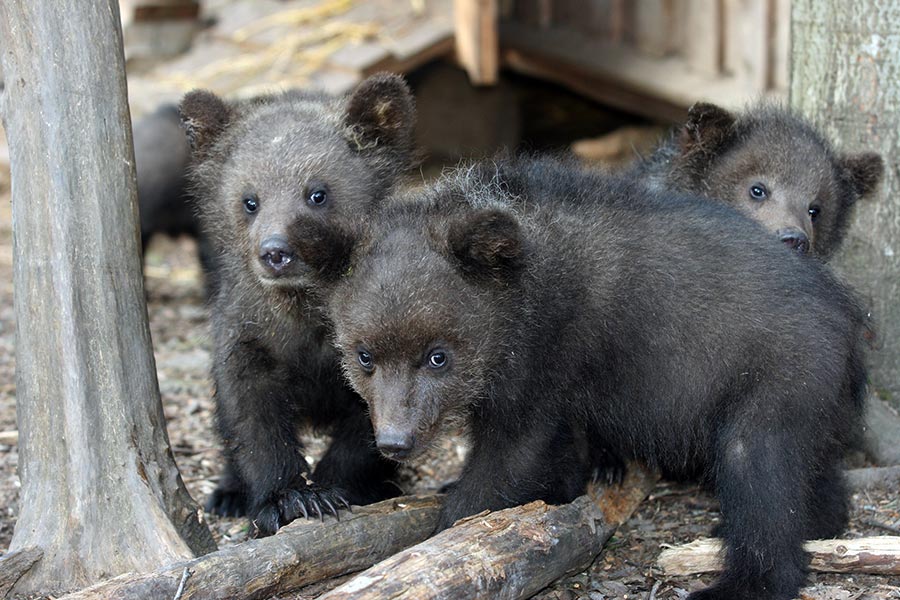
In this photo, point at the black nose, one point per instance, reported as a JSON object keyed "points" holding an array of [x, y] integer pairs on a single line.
{"points": [[275, 253], [394, 444], [795, 240]]}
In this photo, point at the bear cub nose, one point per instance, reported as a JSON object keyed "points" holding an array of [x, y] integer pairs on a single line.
{"points": [[795, 240], [394, 444], [275, 253]]}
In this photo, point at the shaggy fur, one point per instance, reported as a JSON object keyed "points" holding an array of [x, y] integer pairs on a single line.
{"points": [[809, 189], [162, 155], [720, 355], [261, 166]]}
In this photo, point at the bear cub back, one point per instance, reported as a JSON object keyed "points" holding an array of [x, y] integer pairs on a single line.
{"points": [[722, 355]]}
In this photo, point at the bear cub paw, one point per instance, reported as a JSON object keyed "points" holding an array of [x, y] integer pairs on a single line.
{"points": [[310, 500]]}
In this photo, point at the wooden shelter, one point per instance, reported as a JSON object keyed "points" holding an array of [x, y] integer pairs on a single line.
{"points": [[651, 57]]}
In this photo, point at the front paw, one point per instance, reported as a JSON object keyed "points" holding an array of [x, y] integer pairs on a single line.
{"points": [[286, 505]]}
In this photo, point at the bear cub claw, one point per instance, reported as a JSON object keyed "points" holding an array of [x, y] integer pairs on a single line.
{"points": [[286, 505]]}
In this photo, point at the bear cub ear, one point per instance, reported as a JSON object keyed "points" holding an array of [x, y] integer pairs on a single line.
{"points": [[863, 172], [488, 244], [204, 116], [381, 113], [707, 128]]}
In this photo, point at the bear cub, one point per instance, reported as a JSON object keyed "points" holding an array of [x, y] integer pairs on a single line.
{"points": [[259, 167], [162, 156], [770, 164], [478, 299]]}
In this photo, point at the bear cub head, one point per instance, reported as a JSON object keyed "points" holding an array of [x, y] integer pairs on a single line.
{"points": [[425, 317], [262, 166], [776, 168]]}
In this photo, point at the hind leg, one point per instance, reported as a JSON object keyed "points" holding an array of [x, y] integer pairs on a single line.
{"points": [[229, 499], [761, 481], [829, 505]]}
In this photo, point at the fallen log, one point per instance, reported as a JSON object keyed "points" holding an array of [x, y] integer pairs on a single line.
{"points": [[299, 554], [15, 564], [878, 555], [506, 554], [874, 477]]}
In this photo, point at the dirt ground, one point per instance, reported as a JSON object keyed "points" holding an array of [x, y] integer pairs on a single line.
{"points": [[626, 569]]}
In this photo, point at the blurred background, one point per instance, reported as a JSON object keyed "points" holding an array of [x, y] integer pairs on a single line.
{"points": [[599, 76]]}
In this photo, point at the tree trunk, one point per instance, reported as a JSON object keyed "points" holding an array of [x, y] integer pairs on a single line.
{"points": [[846, 78], [100, 494]]}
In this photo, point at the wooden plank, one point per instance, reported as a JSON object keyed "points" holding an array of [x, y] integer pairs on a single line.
{"points": [[702, 35], [655, 30], [780, 46], [477, 46], [430, 41], [604, 18], [660, 89], [746, 51]]}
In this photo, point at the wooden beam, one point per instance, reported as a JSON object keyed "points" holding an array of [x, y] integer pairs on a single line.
{"points": [[477, 46]]}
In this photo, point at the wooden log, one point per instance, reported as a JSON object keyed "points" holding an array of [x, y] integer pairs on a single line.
{"points": [[876, 477], [477, 42], [506, 554], [878, 555], [15, 564], [101, 494], [301, 553], [9, 438]]}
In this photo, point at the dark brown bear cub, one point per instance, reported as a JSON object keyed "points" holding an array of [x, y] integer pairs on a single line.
{"points": [[773, 166], [259, 167], [696, 353]]}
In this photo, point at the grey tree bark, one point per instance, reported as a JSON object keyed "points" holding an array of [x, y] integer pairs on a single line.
{"points": [[845, 64], [101, 494]]}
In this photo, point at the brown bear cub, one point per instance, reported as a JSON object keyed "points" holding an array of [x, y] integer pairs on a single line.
{"points": [[773, 166], [479, 299], [260, 166]]}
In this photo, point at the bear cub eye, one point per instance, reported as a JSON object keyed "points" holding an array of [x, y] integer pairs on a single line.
{"points": [[365, 360], [251, 204], [317, 197], [437, 359], [814, 212], [758, 191]]}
